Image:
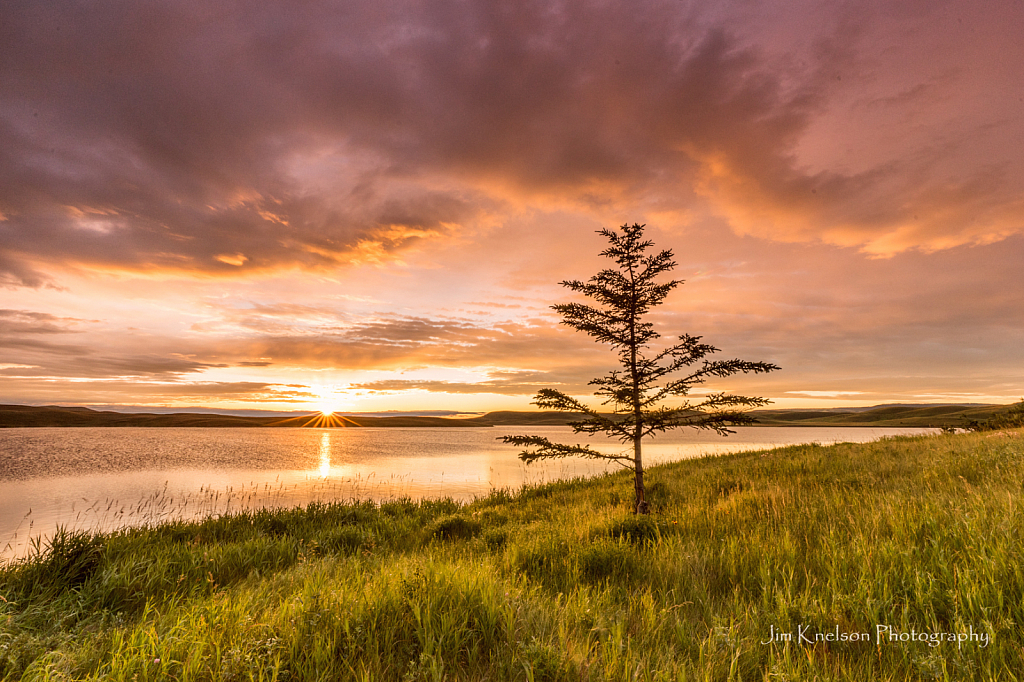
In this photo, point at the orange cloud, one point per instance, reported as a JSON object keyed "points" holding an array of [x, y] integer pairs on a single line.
{"points": [[355, 190]]}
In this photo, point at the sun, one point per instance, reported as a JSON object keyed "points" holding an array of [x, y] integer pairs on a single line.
{"points": [[330, 400]]}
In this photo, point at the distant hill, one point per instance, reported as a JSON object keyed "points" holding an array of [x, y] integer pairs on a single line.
{"points": [[15, 416], [922, 416], [509, 418]]}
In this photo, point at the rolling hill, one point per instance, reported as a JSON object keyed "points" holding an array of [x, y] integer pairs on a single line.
{"points": [[20, 416]]}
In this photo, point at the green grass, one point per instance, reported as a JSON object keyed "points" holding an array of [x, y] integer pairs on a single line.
{"points": [[560, 582]]}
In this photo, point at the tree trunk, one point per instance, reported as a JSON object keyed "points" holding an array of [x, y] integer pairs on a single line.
{"points": [[638, 413], [638, 475]]}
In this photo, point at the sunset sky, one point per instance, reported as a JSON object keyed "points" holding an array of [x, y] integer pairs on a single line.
{"points": [[368, 206]]}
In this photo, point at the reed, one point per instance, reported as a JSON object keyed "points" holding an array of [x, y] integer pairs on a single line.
{"points": [[561, 582]]}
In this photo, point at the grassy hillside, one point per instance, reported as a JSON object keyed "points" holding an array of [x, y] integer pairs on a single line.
{"points": [[917, 535], [922, 416]]}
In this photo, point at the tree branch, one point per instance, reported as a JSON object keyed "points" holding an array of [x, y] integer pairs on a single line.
{"points": [[549, 398], [542, 448]]}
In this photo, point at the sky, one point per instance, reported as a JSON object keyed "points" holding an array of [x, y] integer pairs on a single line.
{"points": [[369, 206]]}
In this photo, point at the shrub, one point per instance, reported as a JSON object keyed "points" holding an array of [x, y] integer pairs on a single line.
{"points": [[636, 529], [495, 538], [455, 528], [658, 495], [346, 539], [68, 560], [606, 560], [543, 663]]}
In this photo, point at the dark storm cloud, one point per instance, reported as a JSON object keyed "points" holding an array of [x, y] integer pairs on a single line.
{"points": [[228, 136]]}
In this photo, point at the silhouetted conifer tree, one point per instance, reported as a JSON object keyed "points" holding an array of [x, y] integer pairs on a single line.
{"points": [[638, 389]]}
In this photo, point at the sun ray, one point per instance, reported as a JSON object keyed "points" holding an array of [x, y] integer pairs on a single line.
{"points": [[318, 420]]}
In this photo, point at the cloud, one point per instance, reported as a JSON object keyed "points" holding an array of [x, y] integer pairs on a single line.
{"points": [[76, 362], [406, 343], [517, 383], [241, 137], [14, 273], [17, 322], [283, 336], [243, 190], [143, 138], [26, 343], [42, 390]]}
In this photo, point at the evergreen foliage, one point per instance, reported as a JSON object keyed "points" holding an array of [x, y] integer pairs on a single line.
{"points": [[638, 390]]}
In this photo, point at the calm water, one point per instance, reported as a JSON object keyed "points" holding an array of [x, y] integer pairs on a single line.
{"points": [[103, 478]]}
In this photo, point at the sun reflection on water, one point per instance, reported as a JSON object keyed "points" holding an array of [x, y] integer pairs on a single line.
{"points": [[325, 453]]}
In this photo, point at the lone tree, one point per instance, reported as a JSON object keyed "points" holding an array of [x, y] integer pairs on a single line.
{"points": [[638, 389]]}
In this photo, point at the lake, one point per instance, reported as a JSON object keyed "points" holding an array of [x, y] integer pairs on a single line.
{"points": [[106, 478]]}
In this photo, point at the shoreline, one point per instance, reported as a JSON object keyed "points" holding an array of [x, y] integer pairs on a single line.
{"points": [[913, 416], [744, 554]]}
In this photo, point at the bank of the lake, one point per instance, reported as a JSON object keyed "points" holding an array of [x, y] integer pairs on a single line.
{"points": [[897, 560], [105, 478]]}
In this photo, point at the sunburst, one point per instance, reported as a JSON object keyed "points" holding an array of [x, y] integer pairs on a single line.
{"points": [[319, 420]]}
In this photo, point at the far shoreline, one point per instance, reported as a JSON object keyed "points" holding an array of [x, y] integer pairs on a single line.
{"points": [[910, 416]]}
